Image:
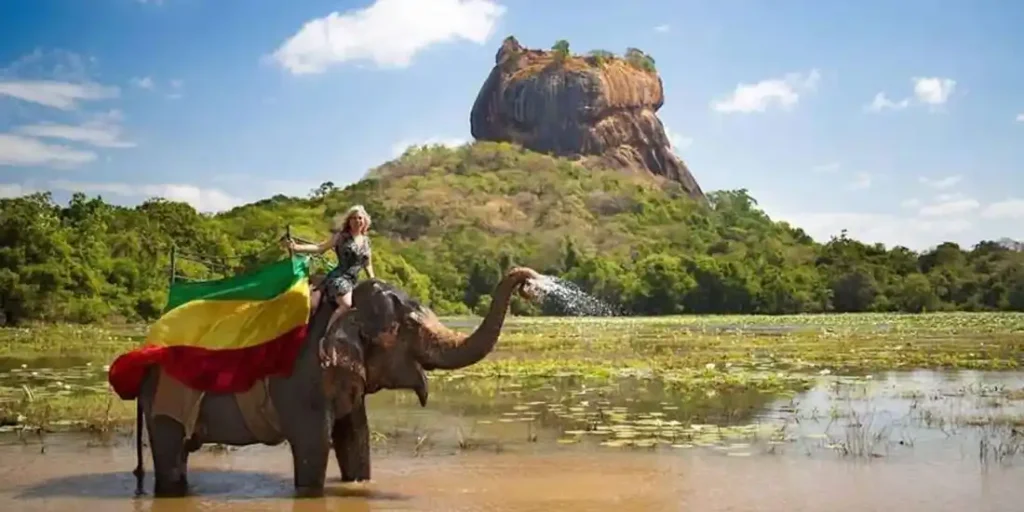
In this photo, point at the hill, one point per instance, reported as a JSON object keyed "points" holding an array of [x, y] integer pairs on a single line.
{"points": [[447, 221], [599, 107]]}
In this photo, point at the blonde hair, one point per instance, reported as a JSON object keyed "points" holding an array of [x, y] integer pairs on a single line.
{"points": [[341, 220]]}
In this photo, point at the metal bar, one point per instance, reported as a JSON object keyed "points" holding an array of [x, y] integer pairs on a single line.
{"points": [[288, 233], [174, 250], [208, 263]]}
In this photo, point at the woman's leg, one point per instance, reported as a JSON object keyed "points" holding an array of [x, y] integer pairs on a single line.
{"points": [[344, 303]]}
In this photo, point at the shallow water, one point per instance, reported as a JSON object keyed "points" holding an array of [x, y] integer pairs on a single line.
{"points": [[258, 479], [890, 440]]}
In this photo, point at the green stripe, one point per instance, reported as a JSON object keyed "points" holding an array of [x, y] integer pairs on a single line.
{"points": [[262, 284]]}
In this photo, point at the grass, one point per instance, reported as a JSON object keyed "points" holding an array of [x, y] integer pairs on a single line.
{"points": [[612, 379]]}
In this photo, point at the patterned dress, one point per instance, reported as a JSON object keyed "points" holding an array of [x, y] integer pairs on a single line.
{"points": [[352, 259]]}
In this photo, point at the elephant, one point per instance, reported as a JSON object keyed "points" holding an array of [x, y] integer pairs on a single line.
{"points": [[401, 340], [302, 400], [386, 341]]}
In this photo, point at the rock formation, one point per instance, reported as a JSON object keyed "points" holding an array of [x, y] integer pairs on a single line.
{"points": [[599, 106]]}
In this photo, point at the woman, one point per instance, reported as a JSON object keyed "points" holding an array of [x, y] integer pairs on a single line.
{"points": [[352, 247]]}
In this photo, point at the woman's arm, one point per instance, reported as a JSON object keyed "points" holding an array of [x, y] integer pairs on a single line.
{"points": [[319, 248], [370, 261]]}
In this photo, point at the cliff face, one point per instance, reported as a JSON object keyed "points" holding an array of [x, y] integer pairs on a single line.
{"points": [[578, 107]]}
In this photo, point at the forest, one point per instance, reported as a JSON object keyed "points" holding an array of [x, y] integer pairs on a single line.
{"points": [[448, 221]]}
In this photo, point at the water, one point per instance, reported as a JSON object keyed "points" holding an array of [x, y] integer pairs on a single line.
{"points": [[565, 298], [918, 440], [258, 480], [541, 430]]}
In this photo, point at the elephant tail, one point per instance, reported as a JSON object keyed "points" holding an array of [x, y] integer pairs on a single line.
{"points": [[140, 471]]}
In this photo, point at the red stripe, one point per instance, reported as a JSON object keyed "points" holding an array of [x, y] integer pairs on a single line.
{"points": [[213, 371]]}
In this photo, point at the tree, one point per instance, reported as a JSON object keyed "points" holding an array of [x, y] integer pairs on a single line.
{"points": [[601, 57], [448, 222], [560, 50], [640, 60]]}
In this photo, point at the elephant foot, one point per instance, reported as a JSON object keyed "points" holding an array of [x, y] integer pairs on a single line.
{"points": [[176, 489], [349, 479], [303, 492]]}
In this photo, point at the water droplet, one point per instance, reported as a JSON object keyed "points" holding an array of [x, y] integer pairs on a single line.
{"points": [[568, 299]]}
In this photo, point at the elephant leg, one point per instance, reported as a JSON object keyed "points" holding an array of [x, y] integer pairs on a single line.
{"points": [[167, 442], [309, 445], [351, 438], [183, 468]]}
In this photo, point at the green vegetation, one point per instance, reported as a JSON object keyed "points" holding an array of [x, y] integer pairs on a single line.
{"points": [[640, 60], [612, 378], [447, 222], [601, 57], [560, 54], [560, 50]]}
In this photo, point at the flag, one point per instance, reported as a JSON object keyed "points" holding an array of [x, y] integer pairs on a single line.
{"points": [[222, 336]]}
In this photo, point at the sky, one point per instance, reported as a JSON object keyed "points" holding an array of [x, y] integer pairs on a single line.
{"points": [[901, 122]]}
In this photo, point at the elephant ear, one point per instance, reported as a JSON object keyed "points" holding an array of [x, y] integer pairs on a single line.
{"points": [[344, 367], [381, 307]]}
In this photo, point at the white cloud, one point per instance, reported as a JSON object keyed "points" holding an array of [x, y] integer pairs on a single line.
{"points": [[911, 203], [1008, 209], [176, 90], [388, 33], [262, 188], [677, 141], [882, 102], [1020, 118], [9, 190], [829, 168], [948, 218], [782, 92], [202, 199], [399, 147], [143, 83], [61, 95], [941, 183], [662, 28], [891, 230], [17, 150], [933, 90], [104, 132], [861, 181], [930, 91], [947, 207]]}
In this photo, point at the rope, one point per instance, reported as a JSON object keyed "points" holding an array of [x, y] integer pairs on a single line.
{"points": [[224, 267], [198, 259]]}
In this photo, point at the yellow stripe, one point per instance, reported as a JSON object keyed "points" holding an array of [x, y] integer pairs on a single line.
{"points": [[232, 324]]}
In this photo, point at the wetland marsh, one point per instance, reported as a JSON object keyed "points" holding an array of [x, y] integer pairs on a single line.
{"points": [[816, 412]]}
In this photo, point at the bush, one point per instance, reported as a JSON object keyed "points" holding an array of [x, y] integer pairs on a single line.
{"points": [[560, 50], [640, 60], [601, 57]]}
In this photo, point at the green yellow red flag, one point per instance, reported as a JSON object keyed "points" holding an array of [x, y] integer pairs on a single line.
{"points": [[222, 336]]}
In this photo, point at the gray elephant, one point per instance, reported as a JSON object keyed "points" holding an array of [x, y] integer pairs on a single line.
{"points": [[400, 339], [387, 341]]}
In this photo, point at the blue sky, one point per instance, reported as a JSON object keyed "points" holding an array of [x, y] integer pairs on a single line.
{"points": [[900, 121]]}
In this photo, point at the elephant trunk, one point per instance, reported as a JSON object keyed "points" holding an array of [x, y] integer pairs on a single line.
{"points": [[446, 349]]}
